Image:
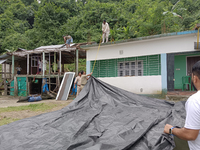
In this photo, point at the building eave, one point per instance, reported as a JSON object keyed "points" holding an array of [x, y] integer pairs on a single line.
{"points": [[86, 47]]}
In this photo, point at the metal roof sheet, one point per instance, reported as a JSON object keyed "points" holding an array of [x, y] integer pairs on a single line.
{"points": [[2, 61]]}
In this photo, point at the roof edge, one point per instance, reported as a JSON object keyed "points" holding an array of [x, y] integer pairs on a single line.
{"points": [[143, 38]]}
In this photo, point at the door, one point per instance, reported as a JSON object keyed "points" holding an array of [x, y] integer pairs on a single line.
{"points": [[190, 62]]}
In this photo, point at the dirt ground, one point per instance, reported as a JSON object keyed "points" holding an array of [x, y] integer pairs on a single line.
{"points": [[10, 101]]}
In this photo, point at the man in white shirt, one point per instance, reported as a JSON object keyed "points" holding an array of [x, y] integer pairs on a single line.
{"points": [[106, 30], [40, 66], [78, 82], [190, 131]]}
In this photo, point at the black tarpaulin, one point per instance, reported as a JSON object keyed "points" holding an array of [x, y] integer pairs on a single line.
{"points": [[102, 117]]}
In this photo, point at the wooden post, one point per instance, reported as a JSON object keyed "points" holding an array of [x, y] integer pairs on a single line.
{"points": [[10, 71], [63, 69], [49, 71], [5, 77], [60, 62], [43, 64], [54, 62], [58, 81], [15, 86], [27, 64], [13, 66], [27, 86], [49, 63], [76, 61]]}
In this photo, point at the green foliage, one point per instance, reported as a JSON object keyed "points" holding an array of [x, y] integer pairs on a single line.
{"points": [[29, 24]]}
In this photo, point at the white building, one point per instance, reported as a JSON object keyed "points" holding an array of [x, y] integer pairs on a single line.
{"points": [[146, 65]]}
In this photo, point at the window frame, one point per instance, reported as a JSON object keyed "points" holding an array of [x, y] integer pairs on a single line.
{"points": [[124, 70]]}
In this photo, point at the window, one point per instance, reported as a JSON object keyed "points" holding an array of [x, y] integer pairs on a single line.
{"points": [[130, 68]]}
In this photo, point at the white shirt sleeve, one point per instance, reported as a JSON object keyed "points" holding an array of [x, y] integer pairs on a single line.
{"points": [[192, 107]]}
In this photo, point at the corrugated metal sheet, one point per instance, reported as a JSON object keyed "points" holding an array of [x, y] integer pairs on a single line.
{"points": [[2, 61], [52, 47]]}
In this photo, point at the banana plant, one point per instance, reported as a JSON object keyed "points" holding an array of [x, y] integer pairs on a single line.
{"points": [[172, 10]]}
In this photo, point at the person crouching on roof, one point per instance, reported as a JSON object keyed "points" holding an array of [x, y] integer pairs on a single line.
{"points": [[68, 39], [106, 30]]}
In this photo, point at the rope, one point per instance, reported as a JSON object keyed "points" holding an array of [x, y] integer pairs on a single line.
{"points": [[97, 54]]}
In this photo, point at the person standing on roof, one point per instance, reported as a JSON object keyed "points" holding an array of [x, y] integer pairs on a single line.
{"points": [[84, 78], [105, 30], [190, 132], [68, 39]]}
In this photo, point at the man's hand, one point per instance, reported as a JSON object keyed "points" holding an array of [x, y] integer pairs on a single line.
{"points": [[167, 127]]}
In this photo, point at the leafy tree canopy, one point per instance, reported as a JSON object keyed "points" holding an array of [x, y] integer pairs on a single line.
{"points": [[32, 23]]}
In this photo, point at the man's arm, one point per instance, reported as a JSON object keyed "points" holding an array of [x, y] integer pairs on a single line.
{"points": [[103, 26], [182, 133], [89, 74], [64, 39]]}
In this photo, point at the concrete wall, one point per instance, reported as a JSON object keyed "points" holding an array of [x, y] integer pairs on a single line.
{"points": [[168, 44], [138, 85]]}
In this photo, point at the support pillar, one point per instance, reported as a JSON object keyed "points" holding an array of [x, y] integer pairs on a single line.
{"points": [[15, 86], [88, 67], [27, 64], [43, 71], [60, 62], [49, 63], [54, 62], [76, 61], [49, 71], [5, 77], [164, 73], [13, 66], [10, 71]]}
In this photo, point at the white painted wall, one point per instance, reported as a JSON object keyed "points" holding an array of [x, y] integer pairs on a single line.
{"points": [[169, 44], [137, 84]]}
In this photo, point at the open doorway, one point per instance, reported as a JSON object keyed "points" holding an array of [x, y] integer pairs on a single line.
{"points": [[190, 62]]}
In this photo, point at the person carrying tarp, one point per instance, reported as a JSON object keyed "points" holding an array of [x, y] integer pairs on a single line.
{"points": [[84, 78], [105, 30], [190, 131], [68, 39], [78, 82]]}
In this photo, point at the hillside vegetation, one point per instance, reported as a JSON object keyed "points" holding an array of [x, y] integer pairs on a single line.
{"points": [[29, 24]]}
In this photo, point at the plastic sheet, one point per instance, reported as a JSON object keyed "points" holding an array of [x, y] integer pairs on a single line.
{"points": [[102, 117]]}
